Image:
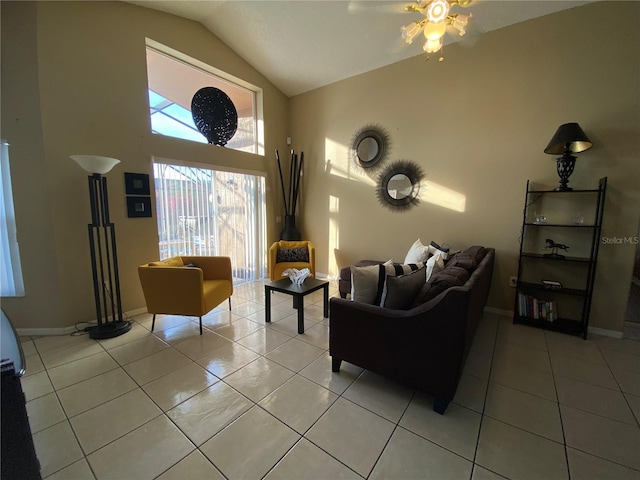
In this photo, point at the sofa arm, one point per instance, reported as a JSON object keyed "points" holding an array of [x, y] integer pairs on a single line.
{"points": [[172, 290], [213, 268]]}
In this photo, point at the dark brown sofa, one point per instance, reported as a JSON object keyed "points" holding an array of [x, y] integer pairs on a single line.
{"points": [[425, 346]]}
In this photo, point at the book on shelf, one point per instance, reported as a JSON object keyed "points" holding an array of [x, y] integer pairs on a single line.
{"points": [[537, 309]]}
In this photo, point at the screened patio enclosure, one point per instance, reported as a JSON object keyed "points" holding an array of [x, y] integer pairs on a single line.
{"points": [[202, 211]]}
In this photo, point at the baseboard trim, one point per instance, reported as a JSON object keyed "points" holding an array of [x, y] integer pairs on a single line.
{"points": [[47, 332], [498, 311], [603, 332]]}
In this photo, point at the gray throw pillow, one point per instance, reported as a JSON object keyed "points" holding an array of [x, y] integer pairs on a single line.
{"points": [[292, 255], [402, 290]]}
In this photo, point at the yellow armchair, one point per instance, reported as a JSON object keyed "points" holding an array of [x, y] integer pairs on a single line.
{"points": [[186, 285], [282, 251]]}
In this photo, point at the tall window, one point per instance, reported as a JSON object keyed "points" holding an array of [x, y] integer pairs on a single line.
{"points": [[208, 212], [11, 284], [172, 84]]}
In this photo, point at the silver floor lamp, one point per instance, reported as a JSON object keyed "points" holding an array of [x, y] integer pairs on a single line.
{"points": [[104, 255]]}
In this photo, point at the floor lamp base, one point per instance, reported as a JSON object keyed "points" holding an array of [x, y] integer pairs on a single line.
{"points": [[109, 330]]}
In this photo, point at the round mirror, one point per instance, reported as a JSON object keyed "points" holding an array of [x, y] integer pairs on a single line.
{"points": [[370, 146], [399, 185], [368, 150]]}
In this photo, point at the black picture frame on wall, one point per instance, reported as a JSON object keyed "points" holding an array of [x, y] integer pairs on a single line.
{"points": [[138, 207], [136, 184]]}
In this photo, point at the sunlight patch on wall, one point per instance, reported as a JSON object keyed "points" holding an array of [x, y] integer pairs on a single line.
{"points": [[339, 164], [334, 235], [436, 194]]}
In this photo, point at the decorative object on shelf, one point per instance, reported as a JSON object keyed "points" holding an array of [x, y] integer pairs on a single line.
{"points": [[215, 115], [290, 231], [138, 207], [539, 218], [399, 185], [434, 25], [551, 284], [568, 139], [296, 276], [578, 219], [104, 255], [554, 248], [136, 184], [370, 146]]}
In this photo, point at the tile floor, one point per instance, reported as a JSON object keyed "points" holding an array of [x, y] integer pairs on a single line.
{"points": [[246, 400]]}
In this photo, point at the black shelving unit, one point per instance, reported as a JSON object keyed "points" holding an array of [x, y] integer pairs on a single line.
{"points": [[565, 306]]}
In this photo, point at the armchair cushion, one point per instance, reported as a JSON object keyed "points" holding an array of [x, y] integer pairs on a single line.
{"points": [[277, 266], [292, 255]]}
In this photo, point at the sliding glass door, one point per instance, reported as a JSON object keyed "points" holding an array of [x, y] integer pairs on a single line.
{"points": [[209, 212]]}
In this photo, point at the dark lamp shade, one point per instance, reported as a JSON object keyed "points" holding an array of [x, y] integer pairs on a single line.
{"points": [[569, 136]]}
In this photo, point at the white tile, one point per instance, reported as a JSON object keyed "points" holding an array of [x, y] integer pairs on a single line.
{"points": [[583, 466], [68, 353], [202, 345], [602, 437], [259, 378], [228, 359], [194, 466], [456, 430], [383, 396], [481, 473], [634, 403], [178, 334], [136, 333], [527, 380], [103, 424], [250, 446], [44, 344], [409, 456], [28, 348], [80, 370], [264, 340], [617, 344], [595, 399], [95, 391], [351, 434], [622, 360], [33, 364], [629, 382], [295, 354], [320, 372], [471, 392], [56, 448], [164, 322], [79, 470], [43, 412], [132, 351], [523, 335], [574, 347], [513, 354], [142, 454], [36, 385], [299, 403], [305, 460], [208, 412], [176, 387], [238, 329], [584, 371], [156, 365], [317, 335], [526, 411], [478, 364], [529, 455]]}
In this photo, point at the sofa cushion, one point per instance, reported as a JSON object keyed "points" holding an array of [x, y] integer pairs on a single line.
{"points": [[396, 270], [365, 283], [476, 252], [463, 260], [402, 290], [439, 282], [417, 253], [292, 255], [169, 262], [435, 248]]}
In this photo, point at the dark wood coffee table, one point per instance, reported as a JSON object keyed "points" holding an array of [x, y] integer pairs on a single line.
{"points": [[298, 292]]}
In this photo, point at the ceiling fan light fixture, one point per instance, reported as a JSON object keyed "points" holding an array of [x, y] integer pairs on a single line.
{"points": [[432, 46], [437, 10], [411, 30], [435, 31]]}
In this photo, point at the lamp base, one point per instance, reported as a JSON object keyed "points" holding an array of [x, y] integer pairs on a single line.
{"points": [[562, 189], [109, 330]]}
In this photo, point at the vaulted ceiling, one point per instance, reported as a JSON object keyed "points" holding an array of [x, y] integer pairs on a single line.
{"points": [[300, 45]]}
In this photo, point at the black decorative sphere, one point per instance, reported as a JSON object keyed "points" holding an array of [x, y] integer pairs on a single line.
{"points": [[215, 115]]}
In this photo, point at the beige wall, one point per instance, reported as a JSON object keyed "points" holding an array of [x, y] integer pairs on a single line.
{"points": [[74, 81], [477, 124]]}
